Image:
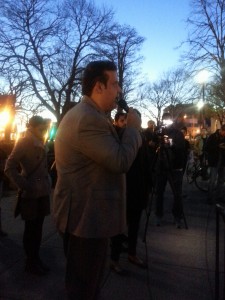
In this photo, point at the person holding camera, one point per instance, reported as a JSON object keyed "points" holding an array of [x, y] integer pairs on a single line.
{"points": [[169, 168]]}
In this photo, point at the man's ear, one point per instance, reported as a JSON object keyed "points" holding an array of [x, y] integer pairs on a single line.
{"points": [[99, 87]]}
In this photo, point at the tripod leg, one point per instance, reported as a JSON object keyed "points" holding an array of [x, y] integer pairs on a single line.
{"points": [[148, 213]]}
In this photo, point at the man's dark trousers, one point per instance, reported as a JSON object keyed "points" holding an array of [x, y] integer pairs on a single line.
{"points": [[85, 267], [175, 178]]}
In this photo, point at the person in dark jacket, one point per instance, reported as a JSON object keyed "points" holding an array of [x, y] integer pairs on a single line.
{"points": [[138, 185], [149, 131], [215, 148], [26, 167], [169, 168], [120, 122]]}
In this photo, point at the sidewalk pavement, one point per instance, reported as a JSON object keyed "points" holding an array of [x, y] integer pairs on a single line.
{"points": [[181, 261]]}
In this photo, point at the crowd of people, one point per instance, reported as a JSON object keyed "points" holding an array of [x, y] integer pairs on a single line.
{"points": [[106, 172]]}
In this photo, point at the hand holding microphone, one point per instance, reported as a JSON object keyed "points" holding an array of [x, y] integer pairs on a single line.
{"points": [[133, 118]]}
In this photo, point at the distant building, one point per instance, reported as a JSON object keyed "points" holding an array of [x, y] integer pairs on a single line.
{"points": [[193, 118]]}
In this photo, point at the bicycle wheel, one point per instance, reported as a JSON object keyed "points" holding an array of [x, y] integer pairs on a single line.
{"points": [[202, 179]]}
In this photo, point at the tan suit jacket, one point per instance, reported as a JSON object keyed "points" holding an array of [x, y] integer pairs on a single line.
{"points": [[91, 160]]}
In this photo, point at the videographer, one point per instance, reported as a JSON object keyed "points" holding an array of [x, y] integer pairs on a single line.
{"points": [[168, 166]]}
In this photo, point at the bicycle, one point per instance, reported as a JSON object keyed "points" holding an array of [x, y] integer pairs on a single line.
{"points": [[197, 173]]}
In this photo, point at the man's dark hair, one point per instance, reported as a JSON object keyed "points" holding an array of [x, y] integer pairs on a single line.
{"points": [[95, 71], [118, 115]]}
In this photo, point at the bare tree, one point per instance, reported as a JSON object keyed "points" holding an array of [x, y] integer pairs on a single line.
{"points": [[174, 88], [45, 44], [154, 99], [122, 45], [206, 39], [180, 90], [216, 104]]}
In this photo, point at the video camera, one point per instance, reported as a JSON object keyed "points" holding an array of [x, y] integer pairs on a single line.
{"points": [[162, 138]]}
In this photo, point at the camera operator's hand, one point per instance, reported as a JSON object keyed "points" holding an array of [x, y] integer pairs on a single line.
{"points": [[133, 119]]}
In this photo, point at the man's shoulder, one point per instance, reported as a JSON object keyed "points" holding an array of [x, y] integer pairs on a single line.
{"points": [[80, 111], [83, 107], [213, 135], [174, 131]]}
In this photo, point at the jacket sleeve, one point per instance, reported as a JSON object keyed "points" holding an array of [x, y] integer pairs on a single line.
{"points": [[13, 164], [102, 144]]}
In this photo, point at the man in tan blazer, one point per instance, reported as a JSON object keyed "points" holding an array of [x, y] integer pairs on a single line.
{"points": [[91, 161]]}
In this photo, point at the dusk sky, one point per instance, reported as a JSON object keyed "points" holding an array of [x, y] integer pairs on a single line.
{"points": [[163, 25]]}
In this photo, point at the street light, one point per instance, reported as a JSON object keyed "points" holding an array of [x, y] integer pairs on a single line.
{"points": [[202, 78], [200, 104]]}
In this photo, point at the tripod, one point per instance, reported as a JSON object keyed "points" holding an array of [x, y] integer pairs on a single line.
{"points": [[162, 154]]}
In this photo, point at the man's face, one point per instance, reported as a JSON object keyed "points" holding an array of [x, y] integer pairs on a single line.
{"points": [[121, 122], [110, 92]]}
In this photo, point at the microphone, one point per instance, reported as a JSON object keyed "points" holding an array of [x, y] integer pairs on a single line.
{"points": [[123, 104]]}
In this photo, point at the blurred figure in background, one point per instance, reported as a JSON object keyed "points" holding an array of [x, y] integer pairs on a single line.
{"points": [[169, 168], [149, 134], [139, 184], [199, 146], [138, 180], [215, 148], [120, 122], [30, 156], [149, 131]]}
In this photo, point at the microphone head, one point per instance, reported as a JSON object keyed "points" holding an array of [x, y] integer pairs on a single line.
{"points": [[123, 104]]}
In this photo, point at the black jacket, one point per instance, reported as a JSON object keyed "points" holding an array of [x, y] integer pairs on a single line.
{"points": [[138, 178], [172, 155], [213, 150]]}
